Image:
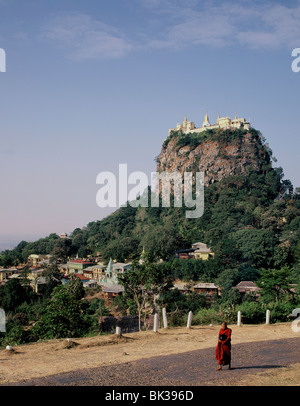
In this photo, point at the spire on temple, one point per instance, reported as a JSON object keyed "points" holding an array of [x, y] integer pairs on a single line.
{"points": [[206, 122]]}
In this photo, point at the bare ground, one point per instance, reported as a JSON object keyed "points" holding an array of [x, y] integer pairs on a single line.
{"points": [[109, 355]]}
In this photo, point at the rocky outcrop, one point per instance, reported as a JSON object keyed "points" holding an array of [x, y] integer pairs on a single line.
{"points": [[215, 156]]}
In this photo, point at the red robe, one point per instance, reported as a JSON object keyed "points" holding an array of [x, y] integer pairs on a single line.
{"points": [[223, 350]]}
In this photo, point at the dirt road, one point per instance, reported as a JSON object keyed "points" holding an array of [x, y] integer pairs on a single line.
{"points": [[176, 356], [186, 369]]}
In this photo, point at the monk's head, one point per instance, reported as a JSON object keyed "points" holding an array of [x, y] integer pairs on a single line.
{"points": [[224, 325]]}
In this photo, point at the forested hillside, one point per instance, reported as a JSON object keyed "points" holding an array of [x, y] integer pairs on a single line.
{"points": [[251, 222], [251, 217]]}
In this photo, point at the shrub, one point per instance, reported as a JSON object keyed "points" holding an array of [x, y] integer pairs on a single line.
{"points": [[213, 316], [62, 317], [16, 336], [280, 311], [252, 312]]}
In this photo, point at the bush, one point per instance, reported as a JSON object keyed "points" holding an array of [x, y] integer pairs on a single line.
{"points": [[252, 312], [176, 319], [16, 335], [280, 311], [213, 316], [62, 317]]}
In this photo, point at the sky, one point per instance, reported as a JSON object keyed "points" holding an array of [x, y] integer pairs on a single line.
{"points": [[93, 84]]}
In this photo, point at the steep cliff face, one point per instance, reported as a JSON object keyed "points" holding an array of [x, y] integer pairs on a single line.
{"points": [[218, 154]]}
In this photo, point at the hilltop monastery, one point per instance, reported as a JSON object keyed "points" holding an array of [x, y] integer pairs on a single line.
{"points": [[222, 122]]}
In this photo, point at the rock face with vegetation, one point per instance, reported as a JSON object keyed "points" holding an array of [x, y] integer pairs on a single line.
{"points": [[218, 154]]}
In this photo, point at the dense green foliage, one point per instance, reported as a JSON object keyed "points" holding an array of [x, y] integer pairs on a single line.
{"points": [[221, 135], [62, 311]]}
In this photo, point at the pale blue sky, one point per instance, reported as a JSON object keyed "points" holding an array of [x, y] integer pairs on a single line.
{"points": [[91, 84]]}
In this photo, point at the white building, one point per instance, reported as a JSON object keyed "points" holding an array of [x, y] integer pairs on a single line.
{"points": [[222, 122]]}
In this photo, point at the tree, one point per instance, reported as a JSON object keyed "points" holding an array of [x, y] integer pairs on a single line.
{"points": [[159, 281], [275, 283], [136, 284], [121, 248], [226, 280], [144, 282], [53, 278], [62, 249], [62, 317], [256, 245], [161, 241], [9, 258], [14, 294], [75, 287]]}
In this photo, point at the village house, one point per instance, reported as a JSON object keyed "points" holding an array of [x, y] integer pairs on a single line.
{"points": [[16, 275], [5, 274], [208, 289], [90, 284], [250, 287], [113, 270], [97, 271], [86, 279], [88, 273], [106, 274], [78, 265], [81, 277], [185, 254], [39, 284], [182, 287], [202, 251], [36, 279], [198, 250], [111, 291], [63, 268], [36, 260]]}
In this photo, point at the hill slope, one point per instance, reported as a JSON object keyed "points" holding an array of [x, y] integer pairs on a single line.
{"points": [[249, 218]]}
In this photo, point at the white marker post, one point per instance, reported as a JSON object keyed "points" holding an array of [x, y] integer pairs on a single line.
{"points": [[239, 318], [2, 321], [189, 321], [165, 320], [268, 316], [155, 324], [118, 331]]}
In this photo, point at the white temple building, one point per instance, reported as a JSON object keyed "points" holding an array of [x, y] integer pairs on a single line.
{"points": [[222, 122]]}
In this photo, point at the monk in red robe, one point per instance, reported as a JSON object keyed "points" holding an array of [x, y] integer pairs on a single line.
{"points": [[223, 350]]}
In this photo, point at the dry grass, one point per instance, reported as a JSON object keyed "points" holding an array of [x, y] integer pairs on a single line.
{"points": [[56, 356]]}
